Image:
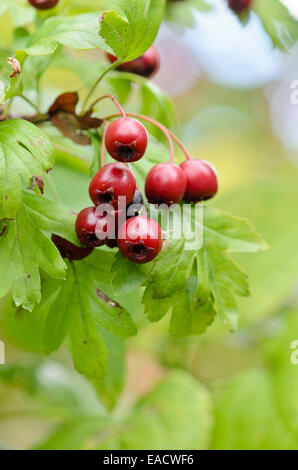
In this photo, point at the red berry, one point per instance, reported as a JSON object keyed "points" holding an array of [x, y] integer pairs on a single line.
{"points": [[132, 210], [201, 180], [239, 5], [44, 4], [146, 65], [110, 182], [108, 225], [86, 225], [69, 250], [165, 183], [140, 239], [126, 140]]}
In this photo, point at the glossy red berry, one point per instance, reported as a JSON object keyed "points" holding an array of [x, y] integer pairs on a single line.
{"points": [[43, 4], [239, 5], [165, 183], [201, 180], [126, 140], [132, 210], [108, 226], [111, 182], [69, 250], [86, 225], [146, 65], [140, 239]]}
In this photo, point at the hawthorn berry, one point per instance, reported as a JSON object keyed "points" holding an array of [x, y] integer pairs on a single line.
{"points": [[146, 65], [86, 225], [69, 250], [44, 4], [140, 239], [201, 180], [132, 210], [239, 5], [108, 225], [126, 140], [165, 183], [110, 182]]}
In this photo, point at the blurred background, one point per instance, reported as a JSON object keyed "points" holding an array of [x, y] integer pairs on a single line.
{"points": [[233, 100]]}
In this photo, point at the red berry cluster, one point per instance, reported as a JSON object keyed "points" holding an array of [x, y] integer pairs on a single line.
{"points": [[117, 201], [44, 4], [192, 181], [139, 238], [114, 219]]}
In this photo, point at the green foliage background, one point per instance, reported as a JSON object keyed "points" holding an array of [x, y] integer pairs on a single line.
{"points": [[219, 390]]}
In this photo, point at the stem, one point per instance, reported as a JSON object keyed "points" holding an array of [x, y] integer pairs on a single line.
{"points": [[111, 97], [7, 109], [178, 142], [34, 106], [103, 148], [93, 88]]}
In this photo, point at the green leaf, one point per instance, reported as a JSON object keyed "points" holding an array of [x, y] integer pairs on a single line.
{"points": [[113, 381], [226, 279], [25, 151], [248, 403], [279, 24], [60, 315], [202, 312], [158, 105], [21, 13], [172, 268], [233, 233], [121, 87], [88, 347], [191, 312], [25, 246], [131, 27], [155, 308], [77, 32], [178, 402], [126, 276], [73, 434], [195, 285], [51, 216], [25, 249], [78, 306]]}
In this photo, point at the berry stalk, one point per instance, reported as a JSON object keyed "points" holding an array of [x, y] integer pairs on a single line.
{"points": [[116, 102]]}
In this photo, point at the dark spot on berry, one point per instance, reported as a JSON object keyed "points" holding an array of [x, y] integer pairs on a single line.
{"points": [[126, 153], [91, 238], [139, 249], [106, 197]]}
